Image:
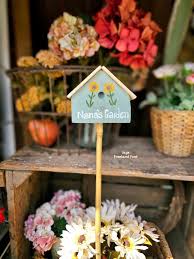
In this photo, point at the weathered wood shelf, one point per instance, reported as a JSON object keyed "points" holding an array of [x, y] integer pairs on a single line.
{"points": [[2, 179], [132, 157]]}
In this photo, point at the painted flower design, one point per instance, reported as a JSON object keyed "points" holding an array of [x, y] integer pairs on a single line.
{"points": [[190, 79], [93, 88], [109, 89]]}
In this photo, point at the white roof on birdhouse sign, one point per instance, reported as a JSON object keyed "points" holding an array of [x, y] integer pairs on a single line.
{"points": [[114, 78]]}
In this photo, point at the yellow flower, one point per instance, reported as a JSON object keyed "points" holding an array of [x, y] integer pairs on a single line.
{"points": [[93, 87], [48, 59], [27, 61], [109, 88], [31, 98], [62, 105]]}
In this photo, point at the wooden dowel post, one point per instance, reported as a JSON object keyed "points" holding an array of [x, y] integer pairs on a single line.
{"points": [[99, 134]]}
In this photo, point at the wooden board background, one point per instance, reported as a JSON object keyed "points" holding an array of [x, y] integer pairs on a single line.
{"points": [[153, 197]]}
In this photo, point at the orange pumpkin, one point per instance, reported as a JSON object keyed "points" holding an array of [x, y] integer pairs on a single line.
{"points": [[44, 132]]}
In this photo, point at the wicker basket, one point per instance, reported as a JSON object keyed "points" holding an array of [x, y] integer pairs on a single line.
{"points": [[161, 250], [173, 131]]}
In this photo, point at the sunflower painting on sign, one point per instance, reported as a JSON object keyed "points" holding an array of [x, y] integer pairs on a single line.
{"points": [[101, 98]]}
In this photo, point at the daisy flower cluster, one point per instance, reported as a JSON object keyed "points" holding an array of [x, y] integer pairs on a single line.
{"points": [[123, 235], [70, 38], [39, 227]]}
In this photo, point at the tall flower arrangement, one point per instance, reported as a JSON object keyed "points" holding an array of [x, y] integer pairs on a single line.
{"points": [[129, 32]]}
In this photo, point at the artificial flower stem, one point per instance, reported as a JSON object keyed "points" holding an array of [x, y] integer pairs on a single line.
{"points": [[99, 134], [166, 86]]}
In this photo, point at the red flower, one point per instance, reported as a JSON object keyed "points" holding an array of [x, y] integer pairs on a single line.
{"points": [[2, 216], [126, 8], [107, 32], [124, 58], [129, 40], [128, 29], [150, 53], [137, 62]]}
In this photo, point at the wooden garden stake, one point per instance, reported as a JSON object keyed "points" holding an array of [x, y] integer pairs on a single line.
{"points": [[99, 135], [100, 98]]}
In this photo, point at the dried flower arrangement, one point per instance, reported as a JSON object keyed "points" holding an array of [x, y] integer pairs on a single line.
{"points": [[123, 235]]}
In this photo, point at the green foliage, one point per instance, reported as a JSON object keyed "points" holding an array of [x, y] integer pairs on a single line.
{"points": [[176, 92], [59, 226], [177, 29]]}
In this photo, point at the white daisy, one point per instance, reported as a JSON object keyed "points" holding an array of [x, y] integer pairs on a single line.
{"points": [[124, 213], [129, 246], [110, 233], [189, 66], [166, 71], [77, 240], [108, 214]]}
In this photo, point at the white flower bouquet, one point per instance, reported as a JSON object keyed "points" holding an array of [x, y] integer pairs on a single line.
{"points": [[123, 235]]}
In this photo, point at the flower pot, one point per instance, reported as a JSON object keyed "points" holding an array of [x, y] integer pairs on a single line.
{"points": [[173, 131], [85, 135], [55, 248]]}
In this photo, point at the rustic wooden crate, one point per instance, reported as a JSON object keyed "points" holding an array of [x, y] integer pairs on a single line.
{"points": [[27, 190], [2, 179], [32, 176]]}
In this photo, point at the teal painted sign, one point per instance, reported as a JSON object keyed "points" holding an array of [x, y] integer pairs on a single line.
{"points": [[101, 98]]}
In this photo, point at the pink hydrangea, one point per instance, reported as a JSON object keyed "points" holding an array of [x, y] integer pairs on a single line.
{"points": [[70, 38], [44, 242], [38, 230], [67, 204], [38, 227]]}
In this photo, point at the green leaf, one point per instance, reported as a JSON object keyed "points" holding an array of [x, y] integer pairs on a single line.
{"points": [[187, 105], [59, 226], [151, 99], [87, 103], [177, 29]]}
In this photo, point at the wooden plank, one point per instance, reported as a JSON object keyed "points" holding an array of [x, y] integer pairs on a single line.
{"points": [[141, 195], [188, 212], [190, 222], [178, 245], [21, 25], [137, 181], [22, 200], [2, 179], [142, 161]]}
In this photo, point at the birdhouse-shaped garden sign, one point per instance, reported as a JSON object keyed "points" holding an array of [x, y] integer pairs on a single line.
{"points": [[101, 98]]}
